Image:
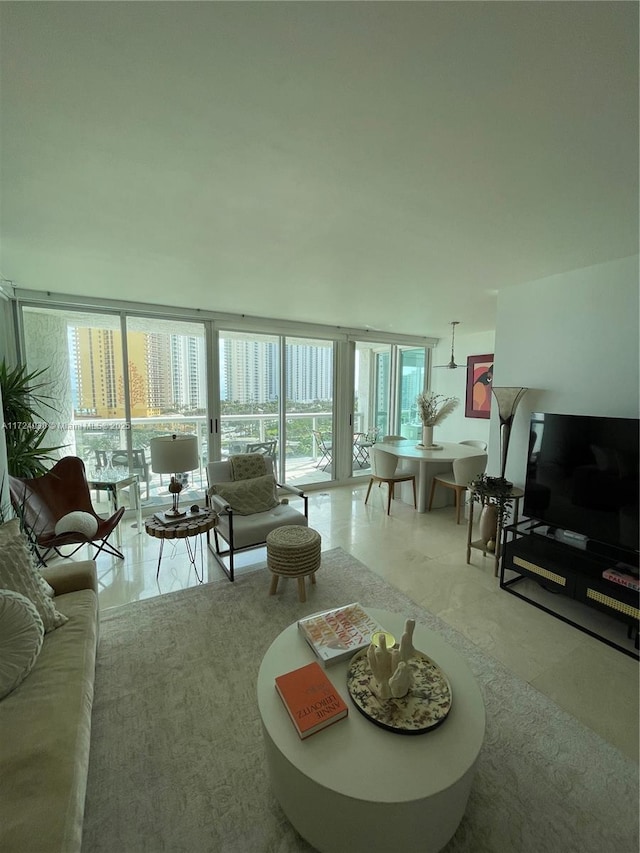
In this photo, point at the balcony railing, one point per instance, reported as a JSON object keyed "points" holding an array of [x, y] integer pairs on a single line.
{"points": [[302, 454]]}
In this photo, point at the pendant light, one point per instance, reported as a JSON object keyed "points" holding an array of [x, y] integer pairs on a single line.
{"points": [[452, 364]]}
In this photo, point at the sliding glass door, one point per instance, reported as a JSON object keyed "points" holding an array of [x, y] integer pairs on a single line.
{"points": [[82, 355], [295, 428], [308, 371], [119, 378], [411, 381], [107, 415], [167, 379], [387, 380], [249, 369], [372, 395]]}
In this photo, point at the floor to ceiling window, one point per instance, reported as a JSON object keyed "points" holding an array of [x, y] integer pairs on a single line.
{"points": [[120, 378], [387, 380], [107, 416], [167, 391], [295, 428], [308, 370], [82, 355], [411, 382], [372, 394], [249, 369]]}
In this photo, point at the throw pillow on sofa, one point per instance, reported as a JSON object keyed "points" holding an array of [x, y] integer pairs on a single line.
{"points": [[21, 636], [247, 497], [18, 572]]}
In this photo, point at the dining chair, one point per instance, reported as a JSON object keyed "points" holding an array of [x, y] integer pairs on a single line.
{"points": [[464, 471], [482, 445], [384, 470]]}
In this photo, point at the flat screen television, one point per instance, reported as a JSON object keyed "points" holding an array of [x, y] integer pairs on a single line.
{"points": [[582, 476]]}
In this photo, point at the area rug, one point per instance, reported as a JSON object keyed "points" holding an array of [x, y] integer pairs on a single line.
{"points": [[177, 761]]}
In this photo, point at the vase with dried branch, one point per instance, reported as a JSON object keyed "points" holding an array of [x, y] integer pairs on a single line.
{"points": [[433, 409]]}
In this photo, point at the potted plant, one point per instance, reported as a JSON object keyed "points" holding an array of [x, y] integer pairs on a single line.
{"points": [[433, 409], [494, 496], [24, 430]]}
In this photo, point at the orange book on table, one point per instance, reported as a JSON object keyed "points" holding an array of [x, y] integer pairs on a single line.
{"points": [[313, 703]]}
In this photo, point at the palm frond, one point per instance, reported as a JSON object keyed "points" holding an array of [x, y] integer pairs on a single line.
{"points": [[434, 408]]}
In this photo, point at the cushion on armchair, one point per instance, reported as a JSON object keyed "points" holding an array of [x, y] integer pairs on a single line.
{"points": [[246, 497], [247, 466]]}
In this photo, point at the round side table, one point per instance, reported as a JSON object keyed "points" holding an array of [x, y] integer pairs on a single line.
{"points": [[293, 551], [182, 529]]}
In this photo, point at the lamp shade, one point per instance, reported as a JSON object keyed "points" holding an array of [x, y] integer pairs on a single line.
{"points": [[507, 399], [171, 454]]}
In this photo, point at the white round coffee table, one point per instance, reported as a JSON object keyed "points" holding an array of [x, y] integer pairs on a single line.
{"points": [[356, 787]]}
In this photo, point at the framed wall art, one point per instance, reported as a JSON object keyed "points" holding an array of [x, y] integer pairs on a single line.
{"points": [[479, 380]]}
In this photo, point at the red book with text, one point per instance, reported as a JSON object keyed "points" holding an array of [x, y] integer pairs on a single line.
{"points": [[310, 698]]}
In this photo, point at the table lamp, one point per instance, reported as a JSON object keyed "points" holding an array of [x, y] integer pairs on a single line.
{"points": [[508, 399], [173, 454]]}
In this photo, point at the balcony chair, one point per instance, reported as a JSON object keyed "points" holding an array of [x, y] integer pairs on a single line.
{"points": [[247, 511], [44, 501], [266, 448], [325, 448], [384, 470], [361, 450], [120, 458], [464, 471], [139, 465], [102, 458]]}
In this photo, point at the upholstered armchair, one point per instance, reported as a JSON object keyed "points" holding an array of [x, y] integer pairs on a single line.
{"points": [[250, 504]]}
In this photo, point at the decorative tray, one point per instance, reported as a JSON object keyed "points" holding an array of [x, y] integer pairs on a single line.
{"points": [[425, 706], [429, 446]]}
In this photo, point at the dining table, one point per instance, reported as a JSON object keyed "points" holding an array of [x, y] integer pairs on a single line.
{"points": [[428, 462]]}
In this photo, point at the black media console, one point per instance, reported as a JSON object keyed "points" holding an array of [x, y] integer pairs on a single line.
{"points": [[569, 571]]}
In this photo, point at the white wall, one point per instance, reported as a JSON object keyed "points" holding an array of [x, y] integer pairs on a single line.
{"points": [[573, 339], [452, 383]]}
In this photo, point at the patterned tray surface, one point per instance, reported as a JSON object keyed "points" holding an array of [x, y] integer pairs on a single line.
{"points": [[425, 706]]}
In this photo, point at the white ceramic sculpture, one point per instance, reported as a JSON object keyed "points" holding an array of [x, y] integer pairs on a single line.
{"points": [[406, 643], [390, 667], [400, 681]]}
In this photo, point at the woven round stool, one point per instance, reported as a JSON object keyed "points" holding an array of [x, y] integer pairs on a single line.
{"points": [[293, 552]]}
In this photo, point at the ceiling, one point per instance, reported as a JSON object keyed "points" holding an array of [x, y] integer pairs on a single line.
{"points": [[379, 165]]}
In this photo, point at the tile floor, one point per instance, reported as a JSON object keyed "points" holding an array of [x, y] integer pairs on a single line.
{"points": [[425, 556]]}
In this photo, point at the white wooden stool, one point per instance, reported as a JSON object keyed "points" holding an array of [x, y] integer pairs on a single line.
{"points": [[293, 552]]}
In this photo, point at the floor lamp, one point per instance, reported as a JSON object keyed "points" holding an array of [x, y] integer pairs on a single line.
{"points": [[507, 399], [173, 454]]}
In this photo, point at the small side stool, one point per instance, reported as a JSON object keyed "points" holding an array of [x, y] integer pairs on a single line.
{"points": [[293, 551]]}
